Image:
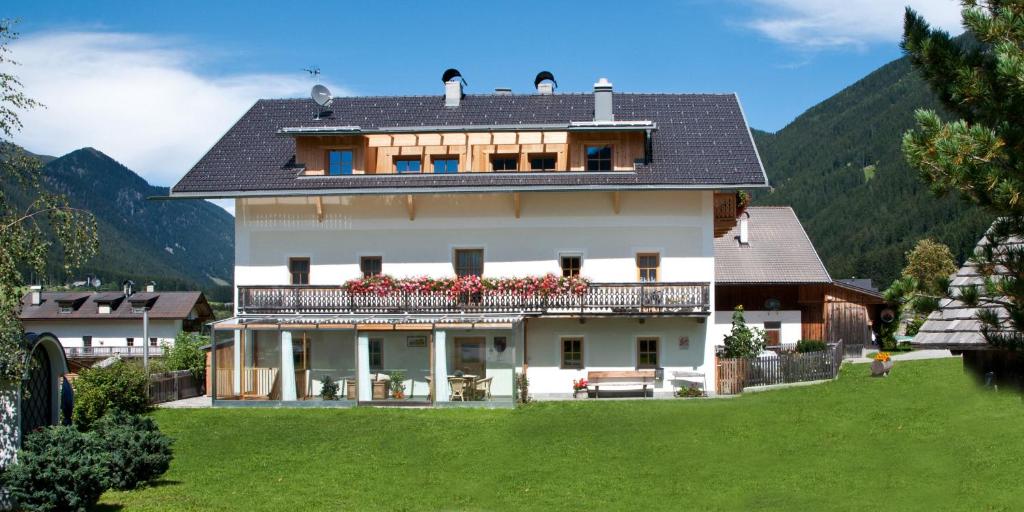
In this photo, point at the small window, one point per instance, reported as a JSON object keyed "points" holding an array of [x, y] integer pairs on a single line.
{"points": [[504, 162], [647, 267], [376, 355], [647, 353], [87, 341], [469, 262], [152, 342], [572, 353], [339, 162], [599, 158], [299, 269], [370, 265], [542, 162], [773, 333], [130, 342], [446, 164], [571, 265], [407, 165], [65, 309]]}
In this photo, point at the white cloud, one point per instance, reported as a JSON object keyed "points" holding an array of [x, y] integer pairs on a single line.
{"points": [[137, 98], [856, 23]]}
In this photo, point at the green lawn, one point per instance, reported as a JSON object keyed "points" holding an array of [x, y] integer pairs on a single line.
{"points": [[922, 439]]}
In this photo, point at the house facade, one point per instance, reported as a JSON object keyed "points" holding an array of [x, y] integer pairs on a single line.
{"points": [[441, 245]]}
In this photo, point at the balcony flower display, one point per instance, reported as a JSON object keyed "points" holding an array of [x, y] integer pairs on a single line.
{"points": [[544, 286]]}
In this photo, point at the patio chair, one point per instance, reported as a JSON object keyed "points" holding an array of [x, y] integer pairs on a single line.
{"points": [[458, 388], [483, 387]]}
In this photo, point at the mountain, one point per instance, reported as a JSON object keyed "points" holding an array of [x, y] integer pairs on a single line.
{"points": [[178, 244], [840, 166]]}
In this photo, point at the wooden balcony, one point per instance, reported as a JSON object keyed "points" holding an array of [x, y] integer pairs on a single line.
{"points": [[599, 299]]}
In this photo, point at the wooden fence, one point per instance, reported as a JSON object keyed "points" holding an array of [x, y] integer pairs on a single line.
{"points": [[170, 386], [782, 366]]}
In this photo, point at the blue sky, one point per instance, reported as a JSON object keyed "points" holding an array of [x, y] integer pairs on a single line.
{"points": [[154, 84]]}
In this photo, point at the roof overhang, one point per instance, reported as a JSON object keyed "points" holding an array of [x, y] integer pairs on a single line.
{"points": [[574, 126]]}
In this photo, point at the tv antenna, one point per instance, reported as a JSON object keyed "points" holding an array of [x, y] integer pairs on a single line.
{"points": [[314, 71]]}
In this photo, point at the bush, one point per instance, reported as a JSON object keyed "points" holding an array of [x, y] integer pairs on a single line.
{"points": [[689, 392], [59, 468], [328, 388], [139, 452], [742, 341], [522, 388], [122, 386], [803, 346], [187, 354]]}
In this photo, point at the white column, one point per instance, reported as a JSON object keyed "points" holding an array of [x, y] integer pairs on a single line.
{"points": [[287, 367], [363, 366], [441, 390], [236, 371]]}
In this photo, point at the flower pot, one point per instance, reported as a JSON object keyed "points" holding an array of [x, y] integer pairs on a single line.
{"points": [[380, 390], [881, 368]]}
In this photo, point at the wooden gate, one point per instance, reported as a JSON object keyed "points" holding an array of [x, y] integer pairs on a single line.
{"points": [[848, 321]]}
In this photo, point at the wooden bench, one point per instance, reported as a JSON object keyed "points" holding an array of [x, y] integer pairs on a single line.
{"points": [[620, 379]]}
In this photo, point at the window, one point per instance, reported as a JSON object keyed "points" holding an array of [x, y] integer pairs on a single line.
{"points": [[647, 353], [376, 355], [571, 265], [504, 162], [65, 309], [407, 164], [469, 262], [370, 265], [572, 353], [130, 342], [152, 342], [339, 162], [299, 269], [647, 267], [599, 158], [446, 164], [87, 341], [773, 333], [542, 162]]}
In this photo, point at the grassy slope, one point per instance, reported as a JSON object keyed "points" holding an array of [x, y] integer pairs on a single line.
{"points": [[922, 439]]}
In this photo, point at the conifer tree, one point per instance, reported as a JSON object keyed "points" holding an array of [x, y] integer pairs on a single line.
{"points": [[980, 156]]}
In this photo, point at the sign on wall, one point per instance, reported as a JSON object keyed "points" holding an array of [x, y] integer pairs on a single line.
{"points": [[684, 342]]}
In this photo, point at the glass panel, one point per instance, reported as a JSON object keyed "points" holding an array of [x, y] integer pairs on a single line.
{"points": [[542, 162], [446, 165], [339, 162], [480, 367], [376, 354], [599, 158], [370, 265], [505, 162], [647, 352], [571, 265], [407, 165], [469, 262], [572, 353], [299, 268]]}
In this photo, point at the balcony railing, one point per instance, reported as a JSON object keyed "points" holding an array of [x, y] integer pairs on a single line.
{"points": [[103, 352], [599, 298]]}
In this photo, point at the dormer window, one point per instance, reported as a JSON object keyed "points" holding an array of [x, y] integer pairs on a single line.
{"points": [[339, 162], [445, 164], [599, 158], [406, 165], [65, 309], [138, 310], [505, 163], [542, 161]]}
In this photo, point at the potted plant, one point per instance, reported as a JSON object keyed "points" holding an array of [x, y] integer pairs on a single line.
{"points": [[579, 386], [882, 365], [328, 388], [397, 384]]}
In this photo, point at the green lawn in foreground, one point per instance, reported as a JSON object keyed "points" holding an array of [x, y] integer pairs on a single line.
{"points": [[922, 439]]}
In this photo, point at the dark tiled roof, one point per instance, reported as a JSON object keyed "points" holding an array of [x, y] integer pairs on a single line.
{"points": [[168, 305], [702, 140], [779, 251]]}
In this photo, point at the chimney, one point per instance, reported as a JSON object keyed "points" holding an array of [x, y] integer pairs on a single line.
{"points": [[744, 238], [603, 101], [545, 89], [452, 93], [151, 286], [545, 83], [36, 295], [127, 287], [503, 91]]}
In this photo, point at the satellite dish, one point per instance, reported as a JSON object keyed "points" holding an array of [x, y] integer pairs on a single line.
{"points": [[321, 95]]}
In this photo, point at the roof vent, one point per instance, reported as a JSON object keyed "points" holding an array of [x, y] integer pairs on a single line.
{"points": [[453, 84], [545, 83], [603, 101], [503, 91]]}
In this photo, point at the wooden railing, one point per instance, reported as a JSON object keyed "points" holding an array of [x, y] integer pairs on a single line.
{"points": [[783, 367], [103, 352], [610, 298], [258, 382]]}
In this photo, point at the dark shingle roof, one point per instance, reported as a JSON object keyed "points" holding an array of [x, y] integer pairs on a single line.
{"points": [[701, 140], [168, 305], [779, 251]]}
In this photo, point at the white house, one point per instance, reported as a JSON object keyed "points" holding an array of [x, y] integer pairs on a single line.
{"points": [[376, 235], [101, 324]]}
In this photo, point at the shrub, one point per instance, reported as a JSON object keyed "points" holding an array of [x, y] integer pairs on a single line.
{"points": [[139, 452], [743, 341], [121, 386], [803, 346], [522, 388], [187, 354], [328, 388], [59, 468], [689, 392]]}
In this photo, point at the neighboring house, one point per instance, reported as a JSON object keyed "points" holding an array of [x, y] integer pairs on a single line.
{"points": [[100, 324], [954, 326], [768, 265], [627, 191]]}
